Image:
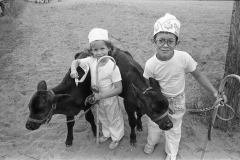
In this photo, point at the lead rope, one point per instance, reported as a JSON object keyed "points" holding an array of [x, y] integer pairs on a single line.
{"points": [[75, 118]]}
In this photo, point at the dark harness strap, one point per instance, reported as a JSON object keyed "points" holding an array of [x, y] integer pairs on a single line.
{"points": [[161, 117], [149, 88]]}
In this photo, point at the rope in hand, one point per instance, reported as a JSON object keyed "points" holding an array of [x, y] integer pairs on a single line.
{"points": [[220, 102]]}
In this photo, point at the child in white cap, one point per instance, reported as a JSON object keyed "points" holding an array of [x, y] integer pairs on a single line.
{"points": [[169, 66], [110, 85]]}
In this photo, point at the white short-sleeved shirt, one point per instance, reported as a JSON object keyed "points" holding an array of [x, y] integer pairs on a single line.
{"points": [[106, 75], [171, 73]]}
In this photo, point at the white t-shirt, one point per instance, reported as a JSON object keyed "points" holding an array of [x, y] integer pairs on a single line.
{"points": [[171, 73], [106, 75]]}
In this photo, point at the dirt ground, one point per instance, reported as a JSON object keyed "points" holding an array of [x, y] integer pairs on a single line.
{"points": [[42, 47]]}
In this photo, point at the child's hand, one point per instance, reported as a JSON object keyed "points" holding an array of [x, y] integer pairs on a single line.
{"points": [[220, 95], [74, 74], [216, 95], [98, 96], [171, 110], [224, 97]]}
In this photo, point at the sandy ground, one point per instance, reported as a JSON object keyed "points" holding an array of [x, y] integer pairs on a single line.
{"points": [[48, 36]]}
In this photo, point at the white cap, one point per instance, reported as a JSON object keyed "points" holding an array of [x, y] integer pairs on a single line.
{"points": [[98, 34], [168, 23]]}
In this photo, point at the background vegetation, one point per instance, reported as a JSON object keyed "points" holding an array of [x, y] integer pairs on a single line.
{"points": [[8, 25]]}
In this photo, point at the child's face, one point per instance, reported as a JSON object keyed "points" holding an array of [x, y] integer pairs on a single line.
{"points": [[99, 49], [165, 44]]}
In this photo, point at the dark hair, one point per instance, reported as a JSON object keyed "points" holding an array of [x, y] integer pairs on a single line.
{"points": [[108, 44], [154, 37], [83, 54]]}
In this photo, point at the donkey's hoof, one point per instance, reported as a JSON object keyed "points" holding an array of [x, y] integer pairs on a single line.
{"points": [[68, 144]]}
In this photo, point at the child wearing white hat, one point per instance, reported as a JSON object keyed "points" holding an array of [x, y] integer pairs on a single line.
{"points": [[110, 85], [169, 66]]}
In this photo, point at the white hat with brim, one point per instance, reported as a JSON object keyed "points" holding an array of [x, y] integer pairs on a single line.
{"points": [[98, 34], [168, 23]]}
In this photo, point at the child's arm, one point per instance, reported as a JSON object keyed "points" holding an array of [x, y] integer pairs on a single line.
{"points": [[74, 65], [115, 91], [202, 79]]}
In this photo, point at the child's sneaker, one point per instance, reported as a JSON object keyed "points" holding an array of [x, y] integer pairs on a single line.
{"points": [[113, 144], [170, 157], [148, 149], [103, 139]]}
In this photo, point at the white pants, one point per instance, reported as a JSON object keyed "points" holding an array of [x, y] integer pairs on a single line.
{"points": [[173, 135], [110, 115]]}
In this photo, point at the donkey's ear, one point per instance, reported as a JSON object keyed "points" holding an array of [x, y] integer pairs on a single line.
{"points": [[135, 90], [137, 93], [154, 83], [42, 86], [77, 55]]}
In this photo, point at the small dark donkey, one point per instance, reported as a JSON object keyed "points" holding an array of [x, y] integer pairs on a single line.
{"points": [[65, 99]]}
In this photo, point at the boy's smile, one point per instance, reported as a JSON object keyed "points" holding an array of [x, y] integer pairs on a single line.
{"points": [[165, 44]]}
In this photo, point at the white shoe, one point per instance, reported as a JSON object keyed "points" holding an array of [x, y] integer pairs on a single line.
{"points": [[103, 139], [170, 157], [113, 144], [148, 149]]}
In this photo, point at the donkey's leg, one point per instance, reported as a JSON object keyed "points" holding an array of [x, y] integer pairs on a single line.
{"points": [[90, 118], [131, 120], [70, 131], [139, 121]]}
